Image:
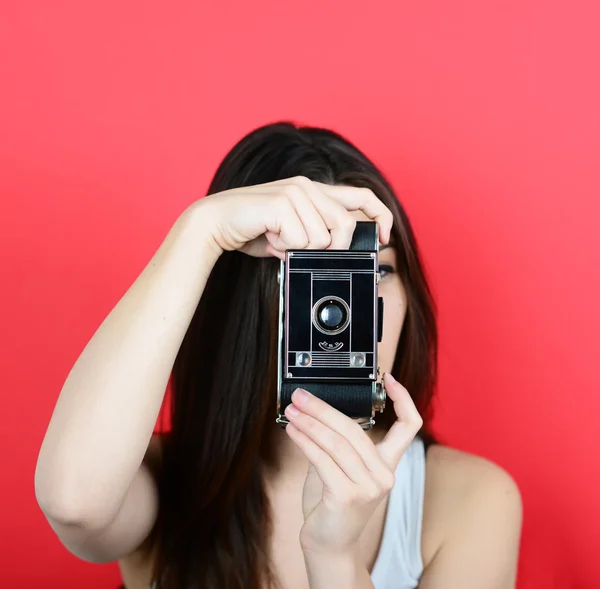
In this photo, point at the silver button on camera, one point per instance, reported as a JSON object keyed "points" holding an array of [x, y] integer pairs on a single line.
{"points": [[303, 359], [357, 359]]}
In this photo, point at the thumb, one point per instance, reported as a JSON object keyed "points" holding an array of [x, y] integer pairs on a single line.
{"points": [[405, 428]]}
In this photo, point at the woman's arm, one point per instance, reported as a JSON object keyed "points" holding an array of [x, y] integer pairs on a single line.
{"points": [[90, 477]]}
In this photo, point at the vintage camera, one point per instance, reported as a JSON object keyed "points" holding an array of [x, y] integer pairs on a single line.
{"points": [[330, 321]]}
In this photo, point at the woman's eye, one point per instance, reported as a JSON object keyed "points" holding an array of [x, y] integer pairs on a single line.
{"points": [[385, 269]]}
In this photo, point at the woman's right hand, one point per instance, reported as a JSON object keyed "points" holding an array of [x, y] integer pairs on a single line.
{"points": [[294, 213]]}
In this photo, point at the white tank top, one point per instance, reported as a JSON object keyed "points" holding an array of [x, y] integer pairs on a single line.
{"points": [[399, 564]]}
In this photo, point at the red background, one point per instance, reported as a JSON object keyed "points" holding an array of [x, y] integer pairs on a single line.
{"points": [[485, 115]]}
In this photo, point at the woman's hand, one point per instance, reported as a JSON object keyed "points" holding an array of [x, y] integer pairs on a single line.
{"points": [[348, 475], [295, 213]]}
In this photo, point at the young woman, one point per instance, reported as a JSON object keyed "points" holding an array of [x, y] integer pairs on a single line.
{"points": [[227, 499]]}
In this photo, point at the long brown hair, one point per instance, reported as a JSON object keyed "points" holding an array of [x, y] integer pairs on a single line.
{"points": [[214, 519]]}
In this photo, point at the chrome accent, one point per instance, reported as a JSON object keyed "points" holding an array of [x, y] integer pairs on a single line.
{"points": [[282, 421], [320, 270], [368, 424], [346, 254], [331, 360], [379, 397], [321, 276], [350, 333], [323, 378], [303, 359], [310, 336], [376, 302], [281, 274], [358, 359]]}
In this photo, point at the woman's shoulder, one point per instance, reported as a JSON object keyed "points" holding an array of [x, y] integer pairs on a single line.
{"points": [[467, 497], [464, 471]]}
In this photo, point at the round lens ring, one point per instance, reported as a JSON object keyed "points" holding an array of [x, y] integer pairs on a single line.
{"points": [[331, 315]]}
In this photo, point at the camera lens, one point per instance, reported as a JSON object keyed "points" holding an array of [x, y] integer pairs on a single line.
{"points": [[331, 315]]}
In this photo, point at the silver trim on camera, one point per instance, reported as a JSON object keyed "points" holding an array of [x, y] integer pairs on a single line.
{"points": [[281, 280]]}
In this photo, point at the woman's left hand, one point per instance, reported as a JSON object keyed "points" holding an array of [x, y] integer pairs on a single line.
{"points": [[348, 475]]}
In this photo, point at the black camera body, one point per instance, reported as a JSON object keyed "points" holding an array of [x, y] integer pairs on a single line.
{"points": [[330, 322]]}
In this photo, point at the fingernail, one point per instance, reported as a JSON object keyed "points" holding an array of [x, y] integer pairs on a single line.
{"points": [[293, 411], [391, 377], [300, 395]]}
